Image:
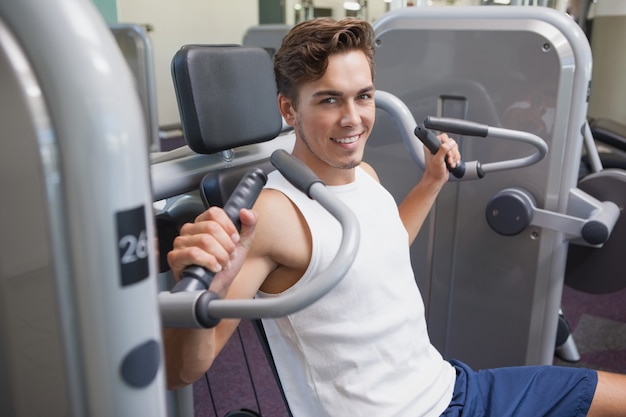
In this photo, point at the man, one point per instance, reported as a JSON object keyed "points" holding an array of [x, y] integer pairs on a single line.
{"points": [[363, 349]]}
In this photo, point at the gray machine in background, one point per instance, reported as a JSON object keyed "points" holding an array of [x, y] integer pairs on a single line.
{"points": [[492, 293], [266, 36], [136, 47]]}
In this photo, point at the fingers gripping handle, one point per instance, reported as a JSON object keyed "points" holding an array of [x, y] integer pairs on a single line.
{"points": [[431, 142], [194, 277]]}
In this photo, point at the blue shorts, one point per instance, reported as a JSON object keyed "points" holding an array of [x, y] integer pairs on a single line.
{"points": [[527, 391]]}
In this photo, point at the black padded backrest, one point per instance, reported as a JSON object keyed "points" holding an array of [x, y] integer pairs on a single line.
{"points": [[226, 96]]}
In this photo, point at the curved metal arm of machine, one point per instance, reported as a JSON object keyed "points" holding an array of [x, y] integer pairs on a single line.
{"points": [[473, 169], [405, 122], [589, 222], [465, 127], [203, 308]]}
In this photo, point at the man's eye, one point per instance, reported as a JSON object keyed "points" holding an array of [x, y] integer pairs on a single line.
{"points": [[329, 100], [366, 96]]}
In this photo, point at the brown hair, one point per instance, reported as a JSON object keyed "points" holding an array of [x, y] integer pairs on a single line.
{"points": [[303, 55]]}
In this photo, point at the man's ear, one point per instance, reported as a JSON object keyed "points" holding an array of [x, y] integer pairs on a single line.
{"points": [[286, 109]]}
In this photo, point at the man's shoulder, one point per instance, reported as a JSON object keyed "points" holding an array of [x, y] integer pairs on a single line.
{"points": [[369, 170], [277, 213]]}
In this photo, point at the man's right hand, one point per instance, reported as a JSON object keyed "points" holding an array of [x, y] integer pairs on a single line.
{"points": [[212, 241]]}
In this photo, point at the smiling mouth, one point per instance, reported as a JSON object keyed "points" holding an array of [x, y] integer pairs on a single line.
{"points": [[346, 140]]}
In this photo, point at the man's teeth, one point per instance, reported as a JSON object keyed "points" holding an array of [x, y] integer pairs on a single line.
{"points": [[350, 139]]}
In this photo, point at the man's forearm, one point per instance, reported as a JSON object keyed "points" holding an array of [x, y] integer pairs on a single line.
{"points": [[188, 355]]}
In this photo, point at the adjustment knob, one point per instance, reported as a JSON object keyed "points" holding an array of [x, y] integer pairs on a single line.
{"points": [[510, 211]]}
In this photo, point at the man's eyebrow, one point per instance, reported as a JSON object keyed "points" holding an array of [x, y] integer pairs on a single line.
{"points": [[325, 93], [335, 93], [368, 89]]}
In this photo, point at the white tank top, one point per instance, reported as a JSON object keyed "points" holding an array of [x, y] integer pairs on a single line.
{"points": [[362, 349]]}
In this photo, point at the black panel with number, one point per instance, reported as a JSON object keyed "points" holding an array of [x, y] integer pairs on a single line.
{"points": [[133, 245]]}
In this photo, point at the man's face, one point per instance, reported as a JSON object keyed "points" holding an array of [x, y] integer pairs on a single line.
{"points": [[334, 117]]}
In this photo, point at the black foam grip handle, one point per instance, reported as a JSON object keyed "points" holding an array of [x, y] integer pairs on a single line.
{"points": [[428, 138], [245, 194], [458, 126], [433, 144], [298, 174], [195, 278]]}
